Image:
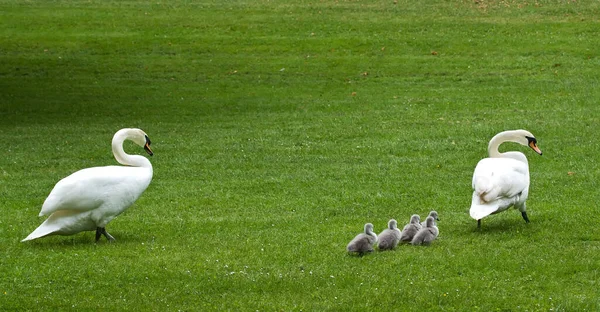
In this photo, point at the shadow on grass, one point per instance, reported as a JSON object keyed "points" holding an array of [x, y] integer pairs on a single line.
{"points": [[503, 226], [87, 238], [59, 241]]}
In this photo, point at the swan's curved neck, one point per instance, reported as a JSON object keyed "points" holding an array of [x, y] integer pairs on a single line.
{"points": [[124, 158], [495, 143]]}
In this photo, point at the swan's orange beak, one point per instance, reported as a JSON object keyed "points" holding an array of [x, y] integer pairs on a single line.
{"points": [[534, 147], [148, 150], [147, 146]]}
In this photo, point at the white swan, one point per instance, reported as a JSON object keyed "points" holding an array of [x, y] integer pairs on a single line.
{"points": [[502, 180], [363, 242], [389, 238], [427, 234], [90, 198]]}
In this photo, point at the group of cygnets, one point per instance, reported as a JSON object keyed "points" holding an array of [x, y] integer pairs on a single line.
{"points": [[414, 232]]}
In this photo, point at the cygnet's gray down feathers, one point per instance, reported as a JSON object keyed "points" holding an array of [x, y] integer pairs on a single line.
{"points": [[435, 216], [409, 230], [427, 234], [389, 238], [363, 242]]}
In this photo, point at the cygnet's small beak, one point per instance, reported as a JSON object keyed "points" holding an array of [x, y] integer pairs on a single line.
{"points": [[534, 147]]}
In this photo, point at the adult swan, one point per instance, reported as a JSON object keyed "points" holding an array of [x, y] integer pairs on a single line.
{"points": [[502, 180], [90, 198]]}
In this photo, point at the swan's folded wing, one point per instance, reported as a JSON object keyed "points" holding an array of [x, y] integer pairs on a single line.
{"points": [[497, 178], [63, 222], [43, 230], [89, 188], [481, 210], [497, 184]]}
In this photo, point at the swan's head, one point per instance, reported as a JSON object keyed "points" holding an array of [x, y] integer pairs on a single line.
{"points": [[368, 228], [532, 142], [526, 138], [392, 224], [415, 219], [140, 138], [434, 214], [147, 146]]}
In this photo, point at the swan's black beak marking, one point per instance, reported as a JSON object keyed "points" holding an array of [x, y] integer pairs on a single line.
{"points": [[147, 146], [533, 145]]}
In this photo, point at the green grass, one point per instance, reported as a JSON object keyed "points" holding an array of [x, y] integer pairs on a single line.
{"points": [[280, 128]]}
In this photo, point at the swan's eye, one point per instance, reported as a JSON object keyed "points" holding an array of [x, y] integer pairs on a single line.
{"points": [[148, 140], [530, 139]]}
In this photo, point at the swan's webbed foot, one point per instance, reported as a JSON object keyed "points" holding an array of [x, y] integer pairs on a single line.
{"points": [[479, 224], [102, 231], [524, 214], [109, 237]]}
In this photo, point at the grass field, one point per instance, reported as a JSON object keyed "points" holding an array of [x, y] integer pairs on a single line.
{"points": [[279, 128]]}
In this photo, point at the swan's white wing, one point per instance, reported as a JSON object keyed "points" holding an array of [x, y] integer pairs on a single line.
{"points": [[63, 222], [91, 188], [500, 177], [497, 185], [479, 210], [43, 230]]}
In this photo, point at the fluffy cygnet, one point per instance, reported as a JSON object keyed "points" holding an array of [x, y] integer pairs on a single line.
{"points": [[433, 214], [389, 238], [427, 234], [409, 230], [363, 242]]}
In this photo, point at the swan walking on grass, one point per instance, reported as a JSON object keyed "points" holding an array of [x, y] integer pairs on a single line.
{"points": [[90, 198], [363, 242], [502, 180]]}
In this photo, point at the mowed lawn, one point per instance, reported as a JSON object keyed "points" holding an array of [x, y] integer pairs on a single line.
{"points": [[279, 128]]}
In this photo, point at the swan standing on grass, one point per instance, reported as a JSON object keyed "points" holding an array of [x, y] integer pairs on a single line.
{"points": [[389, 238], [502, 180], [427, 234], [90, 198], [409, 230], [363, 242]]}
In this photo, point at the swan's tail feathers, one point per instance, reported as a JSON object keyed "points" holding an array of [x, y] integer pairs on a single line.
{"points": [[485, 189], [43, 230], [480, 209]]}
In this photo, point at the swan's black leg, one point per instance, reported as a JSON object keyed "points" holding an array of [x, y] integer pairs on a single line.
{"points": [[109, 237], [98, 234], [102, 231], [479, 223], [524, 214]]}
